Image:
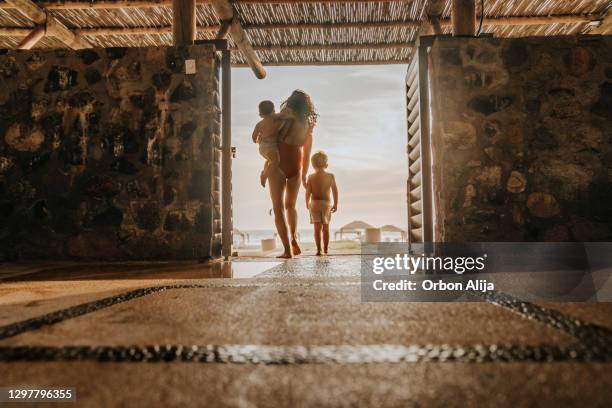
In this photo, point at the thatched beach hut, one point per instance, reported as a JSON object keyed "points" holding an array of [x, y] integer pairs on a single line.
{"points": [[393, 228], [355, 227]]}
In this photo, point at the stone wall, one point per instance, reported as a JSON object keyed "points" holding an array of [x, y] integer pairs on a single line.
{"points": [[522, 138], [109, 154]]}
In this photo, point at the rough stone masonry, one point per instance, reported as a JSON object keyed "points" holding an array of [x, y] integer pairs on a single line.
{"points": [[109, 154], [522, 138]]}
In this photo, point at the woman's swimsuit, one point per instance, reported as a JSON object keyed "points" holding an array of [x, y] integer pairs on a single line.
{"points": [[290, 159], [290, 162]]}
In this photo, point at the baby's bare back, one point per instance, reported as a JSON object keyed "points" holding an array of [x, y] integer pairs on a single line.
{"points": [[321, 185], [268, 130]]}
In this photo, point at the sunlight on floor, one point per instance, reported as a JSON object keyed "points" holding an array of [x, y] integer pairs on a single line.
{"points": [[250, 269]]}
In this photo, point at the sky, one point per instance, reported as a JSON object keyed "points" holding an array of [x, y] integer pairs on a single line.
{"points": [[362, 128]]}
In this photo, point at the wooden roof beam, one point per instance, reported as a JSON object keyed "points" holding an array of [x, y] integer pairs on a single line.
{"points": [[94, 32], [494, 21], [432, 19], [183, 22], [605, 25], [499, 21], [225, 11], [536, 20], [15, 31], [119, 4], [325, 63], [335, 47], [53, 27], [463, 18], [32, 38], [327, 25], [223, 30]]}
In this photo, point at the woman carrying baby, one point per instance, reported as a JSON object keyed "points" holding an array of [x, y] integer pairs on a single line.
{"points": [[295, 143]]}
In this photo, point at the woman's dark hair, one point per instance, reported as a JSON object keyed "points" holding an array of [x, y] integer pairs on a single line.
{"points": [[302, 105]]}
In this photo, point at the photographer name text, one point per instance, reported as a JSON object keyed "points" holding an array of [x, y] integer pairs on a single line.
{"points": [[479, 285]]}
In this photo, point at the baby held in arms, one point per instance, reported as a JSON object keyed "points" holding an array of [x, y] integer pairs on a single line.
{"points": [[319, 187], [266, 133]]}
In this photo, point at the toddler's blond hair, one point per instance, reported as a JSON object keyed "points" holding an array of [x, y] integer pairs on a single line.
{"points": [[319, 160]]}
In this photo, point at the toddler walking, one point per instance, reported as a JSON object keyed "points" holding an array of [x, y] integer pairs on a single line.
{"points": [[319, 186]]}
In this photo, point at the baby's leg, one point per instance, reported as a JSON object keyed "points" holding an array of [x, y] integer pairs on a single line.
{"points": [[264, 173], [273, 158], [325, 237], [317, 236]]}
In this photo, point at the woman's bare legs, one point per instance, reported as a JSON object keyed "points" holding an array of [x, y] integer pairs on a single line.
{"points": [[291, 194], [277, 184], [325, 237], [317, 237]]}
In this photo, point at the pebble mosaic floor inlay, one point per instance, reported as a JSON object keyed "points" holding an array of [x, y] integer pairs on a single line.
{"points": [[593, 342]]}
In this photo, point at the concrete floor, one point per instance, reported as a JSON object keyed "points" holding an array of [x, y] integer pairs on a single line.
{"points": [[295, 333]]}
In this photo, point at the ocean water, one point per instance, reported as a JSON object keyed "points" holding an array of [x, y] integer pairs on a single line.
{"points": [[306, 235]]}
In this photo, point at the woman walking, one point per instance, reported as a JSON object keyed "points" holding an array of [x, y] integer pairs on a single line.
{"points": [[295, 143]]}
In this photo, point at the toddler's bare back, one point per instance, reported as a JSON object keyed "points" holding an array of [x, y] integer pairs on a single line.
{"points": [[321, 185]]}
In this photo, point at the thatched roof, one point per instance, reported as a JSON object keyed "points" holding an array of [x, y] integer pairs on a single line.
{"points": [[302, 31], [355, 225], [392, 228]]}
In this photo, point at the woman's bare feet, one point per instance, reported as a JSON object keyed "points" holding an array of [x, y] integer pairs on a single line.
{"points": [[319, 253], [285, 255], [295, 247]]}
